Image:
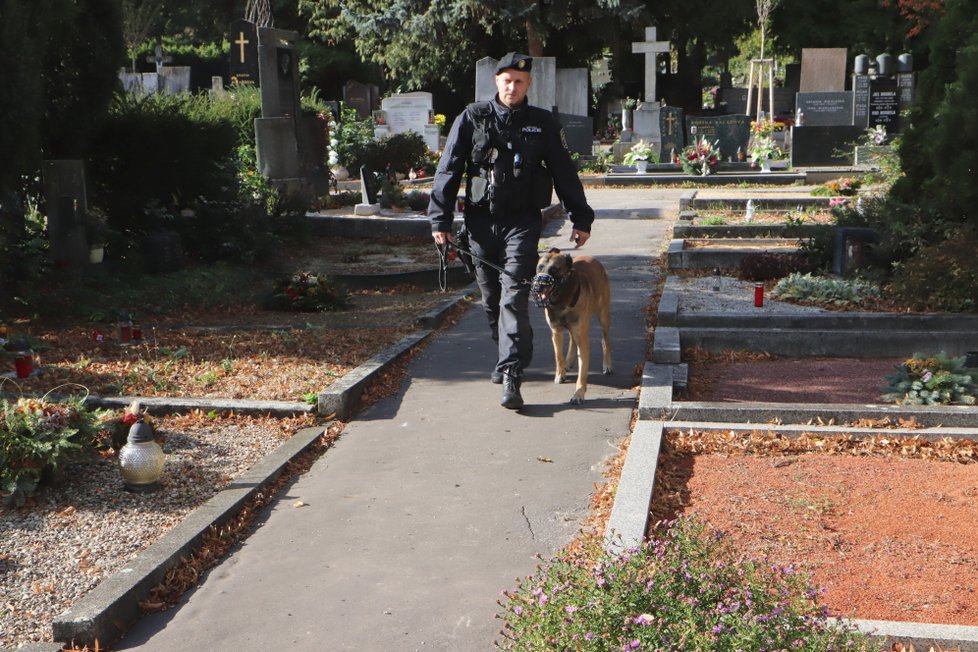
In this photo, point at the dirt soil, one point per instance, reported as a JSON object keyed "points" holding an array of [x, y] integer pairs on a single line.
{"points": [[888, 532]]}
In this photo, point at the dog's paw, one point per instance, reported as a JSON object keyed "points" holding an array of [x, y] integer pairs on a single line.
{"points": [[608, 371], [577, 398], [559, 378]]}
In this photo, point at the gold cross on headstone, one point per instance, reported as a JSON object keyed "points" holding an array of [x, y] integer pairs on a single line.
{"points": [[241, 42], [670, 120]]}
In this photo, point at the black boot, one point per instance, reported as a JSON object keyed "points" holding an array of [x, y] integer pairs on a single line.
{"points": [[512, 400]]}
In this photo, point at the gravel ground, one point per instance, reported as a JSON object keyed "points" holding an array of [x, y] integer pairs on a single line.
{"points": [[697, 295], [78, 533]]}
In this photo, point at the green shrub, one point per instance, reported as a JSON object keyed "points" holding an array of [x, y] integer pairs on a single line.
{"points": [[402, 151], [767, 266], [714, 220], [688, 590], [942, 276], [824, 290], [37, 437], [353, 137], [932, 380]]}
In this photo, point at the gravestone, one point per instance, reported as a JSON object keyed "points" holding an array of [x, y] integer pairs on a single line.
{"points": [[411, 112], [860, 98], [826, 108], [67, 202], [243, 57], [823, 69], [174, 80], [815, 146], [358, 96], [884, 104], [734, 100], [578, 132], [485, 79], [369, 200], [673, 136], [284, 146], [651, 48], [572, 91], [732, 132]]}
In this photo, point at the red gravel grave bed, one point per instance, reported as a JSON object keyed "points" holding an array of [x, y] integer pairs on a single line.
{"points": [[796, 380]]}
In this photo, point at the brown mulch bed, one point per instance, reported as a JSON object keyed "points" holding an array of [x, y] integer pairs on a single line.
{"points": [[886, 528]]}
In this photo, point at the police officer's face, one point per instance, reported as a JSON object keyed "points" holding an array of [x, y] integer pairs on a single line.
{"points": [[512, 86]]}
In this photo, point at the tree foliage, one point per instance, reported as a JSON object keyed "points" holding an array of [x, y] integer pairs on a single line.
{"points": [[421, 42], [939, 152]]}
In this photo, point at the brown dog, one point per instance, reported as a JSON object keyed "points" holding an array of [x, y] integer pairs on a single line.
{"points": [[571, 290]]}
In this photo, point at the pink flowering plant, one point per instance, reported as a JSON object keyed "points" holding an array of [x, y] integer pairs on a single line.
{"points": [[688, 590], [703, 157]]}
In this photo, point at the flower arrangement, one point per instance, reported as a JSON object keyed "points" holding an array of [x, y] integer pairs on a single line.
{"points": [[308, 292], [701, 158], [933, 380], [765, 128], [876, 135], [629, 104], [38, 436], [765, 149], [843, 186], [640, 151]]}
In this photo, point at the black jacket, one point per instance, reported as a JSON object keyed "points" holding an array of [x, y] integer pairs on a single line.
{"points": [[538, 135]]}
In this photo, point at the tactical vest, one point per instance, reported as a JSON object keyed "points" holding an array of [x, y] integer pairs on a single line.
{"points": [[506, 171]]}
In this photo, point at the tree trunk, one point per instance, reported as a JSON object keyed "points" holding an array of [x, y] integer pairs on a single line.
{"points": [[534, 44]]}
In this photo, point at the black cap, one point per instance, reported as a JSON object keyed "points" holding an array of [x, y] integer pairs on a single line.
{"points": [[516, 61]]}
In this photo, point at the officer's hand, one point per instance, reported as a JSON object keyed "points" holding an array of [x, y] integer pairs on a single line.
{"points": [[579, 238], [442, 237]]}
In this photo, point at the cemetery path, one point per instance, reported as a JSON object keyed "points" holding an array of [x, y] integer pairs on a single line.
{"points": [[434, 499]]}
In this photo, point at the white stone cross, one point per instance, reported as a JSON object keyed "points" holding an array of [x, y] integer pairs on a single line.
{"points": [[650, 47]]}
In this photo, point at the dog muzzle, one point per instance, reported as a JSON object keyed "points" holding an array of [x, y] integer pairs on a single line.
{"points": [[542, 287]]}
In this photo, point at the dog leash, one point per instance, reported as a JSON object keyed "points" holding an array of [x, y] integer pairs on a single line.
{"points": [[445, 255]]}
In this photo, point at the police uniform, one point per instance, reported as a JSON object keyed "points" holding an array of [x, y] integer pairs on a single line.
{"points": [[510, 160]]}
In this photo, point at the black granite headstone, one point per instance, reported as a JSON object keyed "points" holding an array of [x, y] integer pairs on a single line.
{"points": [[884, 104], [826, 108], [814, 146], [860, 98], [579, 132], [671, 132], [368, 185], [357, 96], [732, 132], [243, 59]]}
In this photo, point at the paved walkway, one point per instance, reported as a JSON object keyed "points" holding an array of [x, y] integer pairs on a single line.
{"points": [[434, 500]]}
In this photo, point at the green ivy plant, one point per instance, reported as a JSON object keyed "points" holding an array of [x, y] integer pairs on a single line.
{"points": [[932, 380], [824, 290]]}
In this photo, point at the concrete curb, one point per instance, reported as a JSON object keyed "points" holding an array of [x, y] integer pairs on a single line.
{"points": [[633, 498], [343, 396], [856, 334], [104, 612], [175, 405]]}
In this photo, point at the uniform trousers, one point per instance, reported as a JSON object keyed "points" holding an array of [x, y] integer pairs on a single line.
{"points": [[511, 245]]}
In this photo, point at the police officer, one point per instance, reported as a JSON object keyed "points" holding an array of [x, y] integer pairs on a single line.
{"points": [[507, 152]]}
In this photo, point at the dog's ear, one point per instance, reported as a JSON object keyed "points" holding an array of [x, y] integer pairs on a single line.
{"points": [[569, 261], [554, 250]]}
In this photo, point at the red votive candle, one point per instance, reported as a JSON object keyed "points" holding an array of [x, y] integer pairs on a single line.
{"points": [[758, 295], [24, 365]]}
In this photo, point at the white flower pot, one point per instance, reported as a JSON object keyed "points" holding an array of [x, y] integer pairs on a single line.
{"points": [[641, 166], [340, 173], [96, 254]]}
